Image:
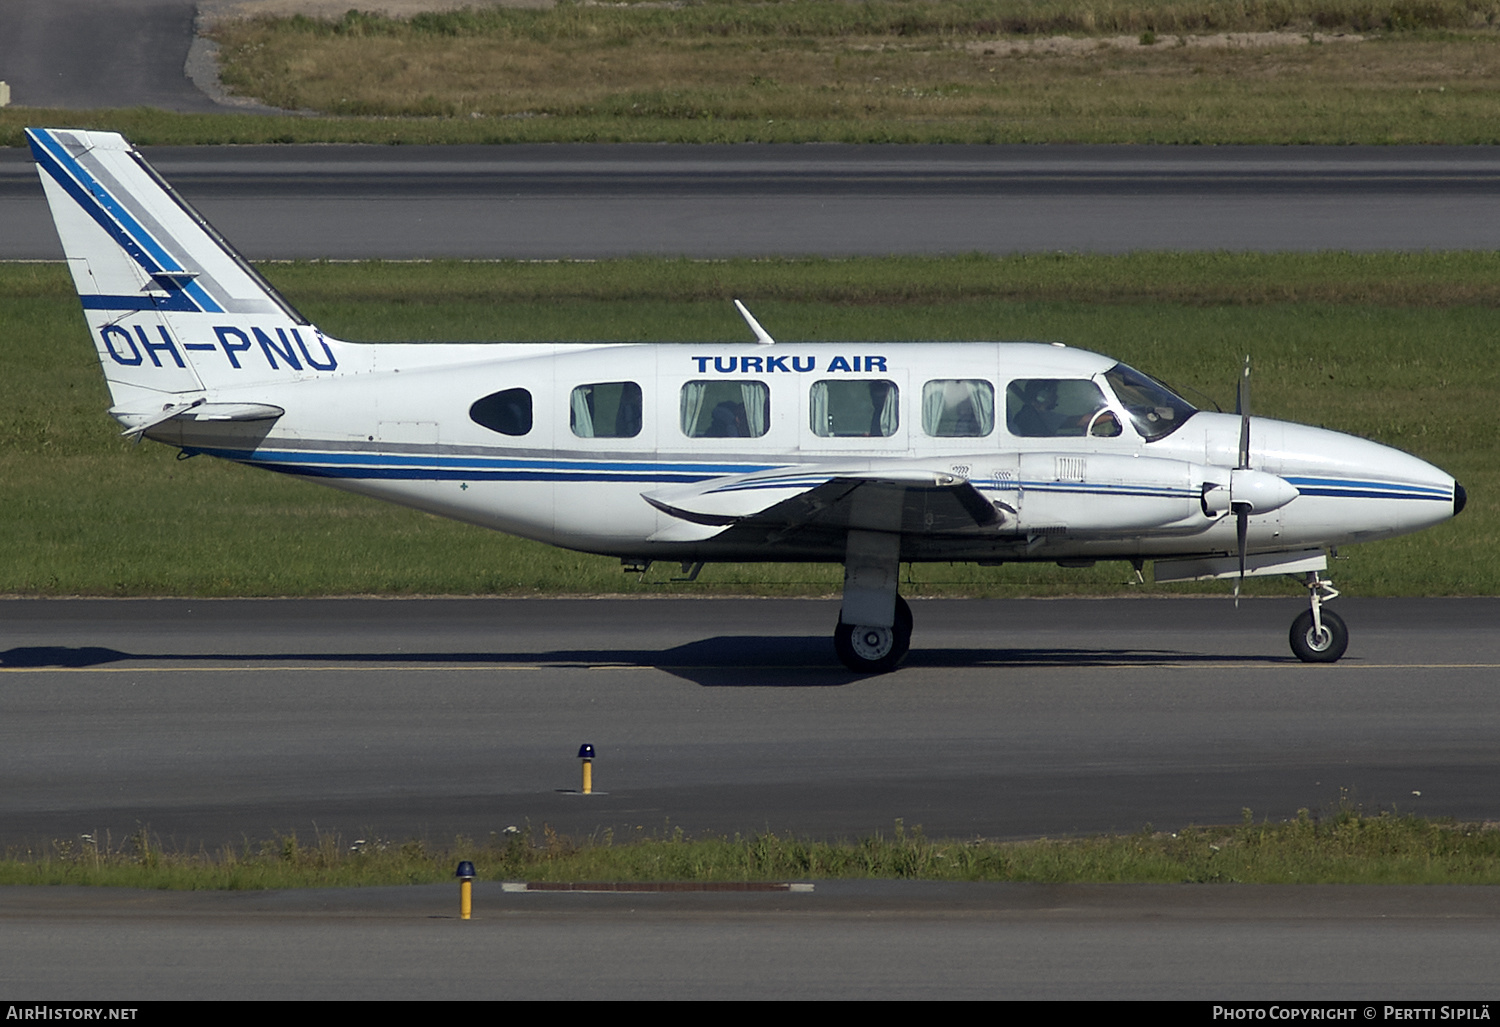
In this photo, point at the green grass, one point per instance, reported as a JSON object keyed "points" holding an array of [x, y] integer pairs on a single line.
{"points": [[900, 19], [902, 71], [1399, 348], [1346, 847]]}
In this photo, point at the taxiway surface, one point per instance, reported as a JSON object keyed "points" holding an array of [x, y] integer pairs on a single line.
{"points": [[353, 202], [213, 721], [842, 940], [83, 54], [527, 202]]}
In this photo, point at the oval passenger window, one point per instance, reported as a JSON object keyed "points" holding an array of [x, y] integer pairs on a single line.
{"points": [[508, 412]]}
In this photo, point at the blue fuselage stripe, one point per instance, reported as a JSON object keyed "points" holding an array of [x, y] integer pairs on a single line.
{"points": [[440, 474], [439, 468], [1345, 488], [403, 467], [1364, 492]]}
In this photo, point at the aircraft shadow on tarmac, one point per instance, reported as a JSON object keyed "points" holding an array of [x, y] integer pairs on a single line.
{"points": [[784, 661]]}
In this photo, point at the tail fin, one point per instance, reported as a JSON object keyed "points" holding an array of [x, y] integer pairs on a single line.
{"points": [[175, 312]]}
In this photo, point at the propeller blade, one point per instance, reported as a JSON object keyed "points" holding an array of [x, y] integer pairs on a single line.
{"points": [[1242, 529], [1242, 407], [1242, 510]]}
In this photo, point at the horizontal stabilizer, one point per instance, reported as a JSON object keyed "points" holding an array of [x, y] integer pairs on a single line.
{"points": [[138, 422]]}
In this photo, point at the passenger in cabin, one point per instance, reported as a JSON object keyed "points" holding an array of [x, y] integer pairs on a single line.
{"points": [[965, 421], [725, 409], [882, 421], [728, 422], [628, 414]]}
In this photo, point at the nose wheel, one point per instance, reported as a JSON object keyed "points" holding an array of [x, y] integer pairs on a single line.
{"points": [[1313, 643], [871, 650], [1319, 635]]}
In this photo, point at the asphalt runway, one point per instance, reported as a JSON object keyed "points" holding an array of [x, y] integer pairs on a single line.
{"points": [[1363, 946], [213, 721], [586, 202]]}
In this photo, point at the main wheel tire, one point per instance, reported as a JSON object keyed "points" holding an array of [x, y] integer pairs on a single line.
{"points": [[1310, 647], [867, 650]]}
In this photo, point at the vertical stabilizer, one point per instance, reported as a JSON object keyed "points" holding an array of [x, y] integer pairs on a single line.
{"points": [[175, 312]]}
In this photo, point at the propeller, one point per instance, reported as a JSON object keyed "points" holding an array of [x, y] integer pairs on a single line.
{"points": [[1250, 491], [1242, 510]]}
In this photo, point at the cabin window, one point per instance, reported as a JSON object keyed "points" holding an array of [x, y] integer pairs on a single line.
{"points": [[1058, 408], [610, 410], [508, 412], [725, 410], [955, 408], [844, 408]]}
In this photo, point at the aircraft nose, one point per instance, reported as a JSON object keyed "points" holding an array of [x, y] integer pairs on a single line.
{"points": [[1460, 499]]}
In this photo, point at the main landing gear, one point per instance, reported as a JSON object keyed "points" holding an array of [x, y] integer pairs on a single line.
{"points": [[1319, 635], [874, 629], [866, 649]]}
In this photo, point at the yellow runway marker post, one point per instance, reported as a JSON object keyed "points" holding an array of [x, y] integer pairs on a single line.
{"points": [[465, 875], [586, 754]]}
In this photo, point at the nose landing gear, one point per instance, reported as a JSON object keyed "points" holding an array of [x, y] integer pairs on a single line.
{"points": [[1319, 635]]}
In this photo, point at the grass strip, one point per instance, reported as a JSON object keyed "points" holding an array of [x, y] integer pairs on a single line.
{"points": [[902, 71], [1205, 279], [895, 19], [1347, 847], [90, 514]]}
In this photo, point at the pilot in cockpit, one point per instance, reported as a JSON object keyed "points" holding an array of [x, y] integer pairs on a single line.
{"points": [[1061, 408], [1038, 415]]}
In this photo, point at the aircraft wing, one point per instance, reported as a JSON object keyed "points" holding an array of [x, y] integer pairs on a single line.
{"points": [[905, 499]]}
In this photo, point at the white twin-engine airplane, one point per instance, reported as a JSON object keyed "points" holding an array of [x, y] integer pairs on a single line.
{"points": [[868, 454]]}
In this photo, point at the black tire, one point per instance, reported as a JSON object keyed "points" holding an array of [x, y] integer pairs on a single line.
{"points": [[1309, 648], [866, 650]]}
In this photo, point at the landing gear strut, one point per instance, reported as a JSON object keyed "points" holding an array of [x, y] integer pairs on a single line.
{"points": [[1319, 635], [871, 650], [874, 629]]}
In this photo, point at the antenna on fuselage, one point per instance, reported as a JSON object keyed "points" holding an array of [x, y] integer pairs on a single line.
{"points": [[761, 335]]}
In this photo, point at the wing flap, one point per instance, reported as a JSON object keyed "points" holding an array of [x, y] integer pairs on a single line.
{"points": [[903, 499]]}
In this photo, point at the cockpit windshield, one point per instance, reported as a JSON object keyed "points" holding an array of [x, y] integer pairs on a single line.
{"points": [[1155, 410]]}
